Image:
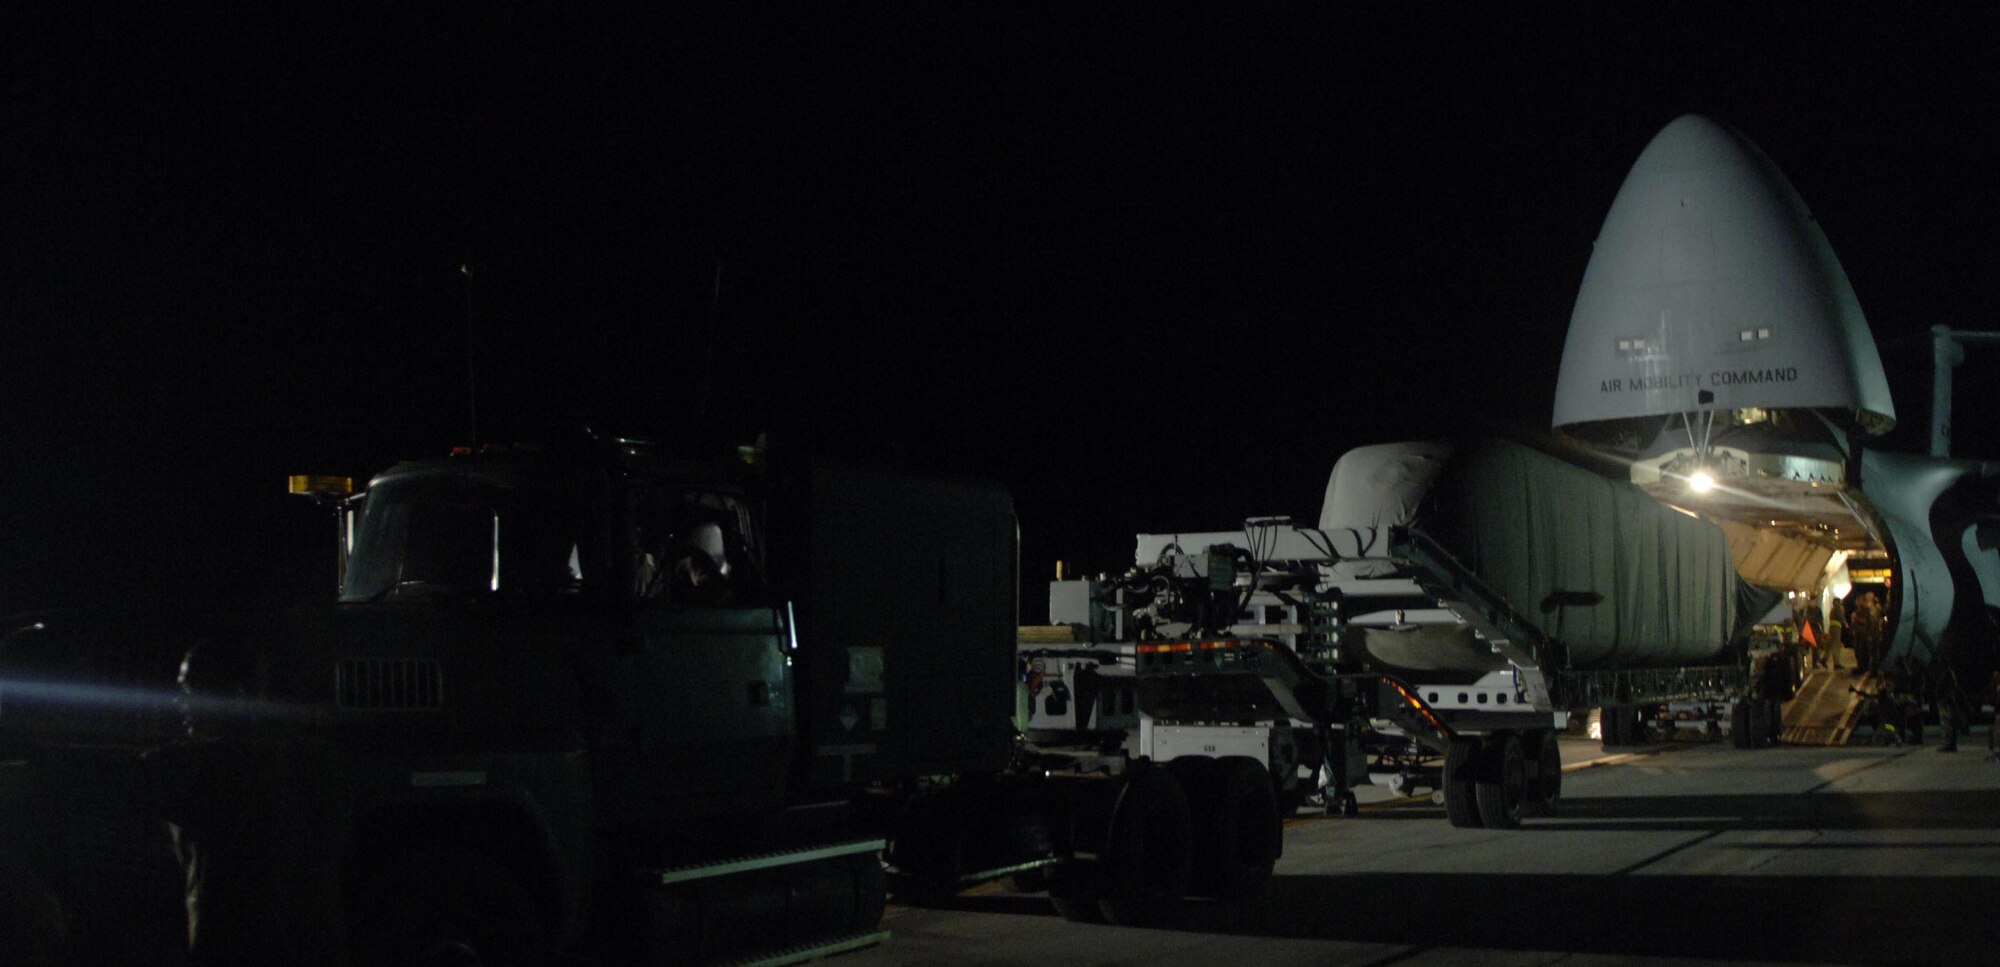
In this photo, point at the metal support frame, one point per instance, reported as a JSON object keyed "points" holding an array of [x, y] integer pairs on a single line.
{"points": [[1293, 687], [1947, 353], [1485, 610], [1590, 689]]}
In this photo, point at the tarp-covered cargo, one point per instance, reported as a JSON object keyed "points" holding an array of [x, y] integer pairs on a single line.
{"points": [[1529, 525]]}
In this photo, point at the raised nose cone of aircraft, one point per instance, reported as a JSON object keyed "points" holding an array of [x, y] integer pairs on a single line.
{"points": [[1711, 288]]}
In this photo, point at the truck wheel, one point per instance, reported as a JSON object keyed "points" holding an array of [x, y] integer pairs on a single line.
{"points": [[870, 891], [1026, 881], [1146, 854], [452, 912], [1503, 786], [1075, 903], [1547, 786], [31, 917], [1461, 763]]}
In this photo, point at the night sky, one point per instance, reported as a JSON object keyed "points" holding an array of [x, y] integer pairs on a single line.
{"points": [[1151, 269]]}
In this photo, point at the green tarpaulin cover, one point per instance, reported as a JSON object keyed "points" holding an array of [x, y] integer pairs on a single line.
{"points": [[1530, 524]]}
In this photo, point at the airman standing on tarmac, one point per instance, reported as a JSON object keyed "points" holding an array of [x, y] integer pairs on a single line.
{"points": [[258, 818], [1909, 688], [1864, 630], [1941, 692]]}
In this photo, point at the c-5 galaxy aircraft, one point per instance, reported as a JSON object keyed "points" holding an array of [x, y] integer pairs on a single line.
{"points": [[1717, 347]]}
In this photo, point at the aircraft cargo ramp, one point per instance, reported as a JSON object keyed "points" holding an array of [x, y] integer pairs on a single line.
{"points": [[1824, 710]]}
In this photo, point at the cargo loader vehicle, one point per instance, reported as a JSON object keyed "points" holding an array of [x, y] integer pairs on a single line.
{"points": [[1493, 588]]}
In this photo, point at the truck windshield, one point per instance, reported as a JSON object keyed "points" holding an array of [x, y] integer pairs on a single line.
{"points": [[471, 531]]}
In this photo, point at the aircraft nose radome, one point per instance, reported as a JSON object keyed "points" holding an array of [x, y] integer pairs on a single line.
{"points": [[1691, 140], [1710, 287]]}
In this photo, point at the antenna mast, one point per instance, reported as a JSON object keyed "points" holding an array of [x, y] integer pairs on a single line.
{"points": [[708, 344], [471, 366]]}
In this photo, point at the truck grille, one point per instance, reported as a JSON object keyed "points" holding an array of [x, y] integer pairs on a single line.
{"points": [[388, 683]]}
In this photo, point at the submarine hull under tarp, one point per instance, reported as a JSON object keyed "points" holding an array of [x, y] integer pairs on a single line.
{"points": [[1446, 654], [1533, 527]]}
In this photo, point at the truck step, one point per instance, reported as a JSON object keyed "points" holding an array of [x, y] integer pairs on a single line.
{"points": [[998, 872], [800, 953], [759, 861]]}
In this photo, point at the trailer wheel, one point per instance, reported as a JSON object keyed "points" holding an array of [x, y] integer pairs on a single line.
{"points": [[1238, 832], [1461, 763], [1200, 779], [1740, 733], [1750, 724], [1144, 868], [1503, 786], [1547, 786], [1620, 726]]}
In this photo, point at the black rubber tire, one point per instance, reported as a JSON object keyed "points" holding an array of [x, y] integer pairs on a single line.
{"points": [[1546, 788], [1461, 768], [1294, 800], [871, 891], [1503, 783], [1195, 773], [452, 911], [1075, 896], [31, 916], [1144, 869], [1760, 724], [1199, 777], [1741, 735], [1026, 881], [1244, 834], [1619, 725]]}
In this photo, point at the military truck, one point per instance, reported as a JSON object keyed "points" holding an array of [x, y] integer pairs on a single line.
{"points": [[619, 700]]}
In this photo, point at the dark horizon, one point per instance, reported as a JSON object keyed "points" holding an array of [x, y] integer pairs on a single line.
{"points": [[1149, 273]]}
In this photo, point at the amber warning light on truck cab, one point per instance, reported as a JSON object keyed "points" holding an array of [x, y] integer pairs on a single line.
{"points": [[320, 485]]}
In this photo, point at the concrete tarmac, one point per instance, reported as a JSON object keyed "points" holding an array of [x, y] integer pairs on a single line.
{"points": [[1676, 855]]}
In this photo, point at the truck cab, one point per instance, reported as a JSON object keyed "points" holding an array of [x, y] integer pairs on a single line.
{"points": [[574, 683]]}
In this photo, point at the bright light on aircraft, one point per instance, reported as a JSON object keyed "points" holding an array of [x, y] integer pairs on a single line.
{"points": [[1700, 482]]}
